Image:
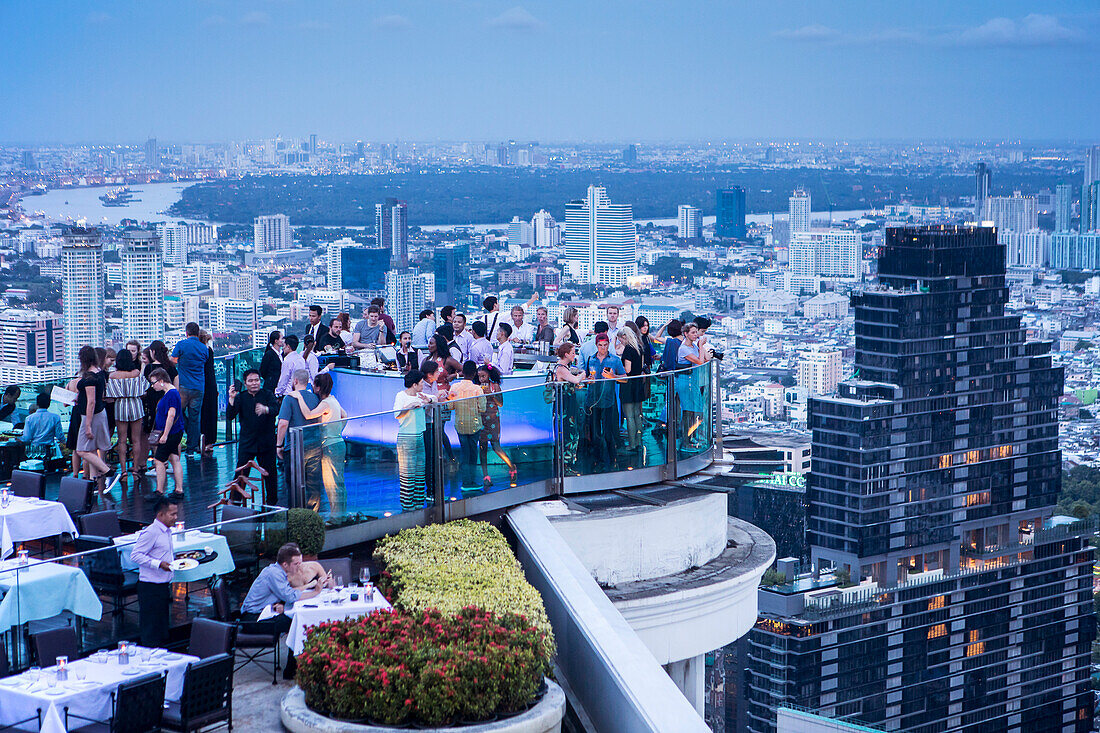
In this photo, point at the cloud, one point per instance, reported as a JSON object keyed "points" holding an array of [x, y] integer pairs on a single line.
{"points": [[810, 33], [314, 25], [393, 21], [214, 21], [1031, 31], [516, 19], [98, 18], [256, 19]]}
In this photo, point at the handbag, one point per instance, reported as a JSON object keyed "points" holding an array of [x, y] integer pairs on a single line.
{"points": [[155, 436]]}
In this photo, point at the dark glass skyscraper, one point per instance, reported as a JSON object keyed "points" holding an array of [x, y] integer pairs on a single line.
{"points": [[983, 186], [935, 472], [730, 221], [451, 264], [391, 225]]}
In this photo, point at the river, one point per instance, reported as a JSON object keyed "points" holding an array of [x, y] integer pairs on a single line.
{"points": [[70, 205]]}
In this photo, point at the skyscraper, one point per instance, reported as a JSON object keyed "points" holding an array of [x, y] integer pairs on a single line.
{"points": [[451, 266], [1063, 207], [520, 233], [313, 144], [152, 153], [547, 233], [407, 292], [81, 292], [334, 262], [600, 239], [826, 253], [983, 187], [935, 473], [799, 217], [28, 161], [142, 286], [272, 232], [1092, 165], [30, 338], [391, 226], [730, 220], [689, 223], [173, 243], [1015, 213], [1090, 207], [630, 154]]}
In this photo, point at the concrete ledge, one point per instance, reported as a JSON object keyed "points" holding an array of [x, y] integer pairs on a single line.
{"points": [[545, 717]]}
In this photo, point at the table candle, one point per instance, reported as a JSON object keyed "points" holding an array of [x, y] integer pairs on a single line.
{"points": [[62, 672], [5, 498], [23, 557]]}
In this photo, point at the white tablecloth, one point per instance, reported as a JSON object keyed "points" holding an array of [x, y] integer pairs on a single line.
{"points": [[309, 613], [192, 539], [32, 519], [43, 590], [91, 699]]}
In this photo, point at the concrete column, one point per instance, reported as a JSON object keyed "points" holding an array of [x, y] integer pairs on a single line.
{"points": [[687, 674]]}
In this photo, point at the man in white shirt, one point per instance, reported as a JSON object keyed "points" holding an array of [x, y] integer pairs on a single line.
{"points": [[463, 338], [504, 359], [491, 317], [292, 361], [613, 324], [153, 553], [522, 333], [315, 328]]}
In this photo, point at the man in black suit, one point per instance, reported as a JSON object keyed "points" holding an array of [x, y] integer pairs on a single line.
{"points": [[315, 328], [271, 366], [257, 408]]}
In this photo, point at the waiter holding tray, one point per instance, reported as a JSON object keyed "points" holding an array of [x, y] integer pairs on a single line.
{"points": [[153, 553]]}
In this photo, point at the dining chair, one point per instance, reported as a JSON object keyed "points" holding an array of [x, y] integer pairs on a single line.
{"points": [[210, 638], [104, 571], [340, 567], [207, 696], [76, 495], [17, 726], [28, 484], [101, 524], [254, 640], [54, 643], [137, 706]]}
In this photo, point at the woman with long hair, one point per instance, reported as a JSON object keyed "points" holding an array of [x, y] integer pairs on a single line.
{"points": [[649, 353], [154, 357], [333, 450], [689, 384], [570, 319], [126, 385], [440, 353], [208, 416], [93, 436], [489, 379], [631, 392], [568, 405]]}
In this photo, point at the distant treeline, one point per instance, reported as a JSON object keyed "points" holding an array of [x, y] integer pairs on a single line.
{"points": [[494, 195]]}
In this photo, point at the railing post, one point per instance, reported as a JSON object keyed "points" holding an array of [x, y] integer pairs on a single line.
{"points": [[438, 435], [295, 463], [558, 423], [672, 426], [717, 439]]}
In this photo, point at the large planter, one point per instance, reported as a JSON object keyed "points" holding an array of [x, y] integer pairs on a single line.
{"points": [[545, 717]]}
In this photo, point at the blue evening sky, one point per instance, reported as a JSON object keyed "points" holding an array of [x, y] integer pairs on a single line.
{"points": [[551, 70]]}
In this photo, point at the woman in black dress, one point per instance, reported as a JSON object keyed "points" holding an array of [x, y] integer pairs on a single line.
{"points": [[208, 419], [631, 392]]}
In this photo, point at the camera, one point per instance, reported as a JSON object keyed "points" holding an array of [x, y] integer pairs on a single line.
{"points": [[718, 355]]}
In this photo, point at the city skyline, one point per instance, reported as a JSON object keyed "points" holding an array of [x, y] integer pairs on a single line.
{"points": [[789, 70]]}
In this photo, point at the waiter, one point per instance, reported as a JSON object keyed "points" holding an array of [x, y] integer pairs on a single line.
{"points": [[153, 554], [315, 328]]}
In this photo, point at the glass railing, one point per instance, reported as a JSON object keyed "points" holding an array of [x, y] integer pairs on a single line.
{"points": [[92, 587], [546, 435], [227, 369]]}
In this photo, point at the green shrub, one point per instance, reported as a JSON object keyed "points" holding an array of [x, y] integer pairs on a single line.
{"points": [[422, 667], [456, 565], [306, 528]]}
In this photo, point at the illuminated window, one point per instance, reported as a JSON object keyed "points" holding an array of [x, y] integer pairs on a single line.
{"points": [[973, 456], [937, 631], [945, 461], [975, 647], [935, 603], [978, 499]]}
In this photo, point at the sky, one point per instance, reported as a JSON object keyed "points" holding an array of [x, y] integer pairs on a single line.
{"points": [[549, 70]]}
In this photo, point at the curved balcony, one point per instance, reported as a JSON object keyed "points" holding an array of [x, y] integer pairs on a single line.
{"points": [[537, 439]]}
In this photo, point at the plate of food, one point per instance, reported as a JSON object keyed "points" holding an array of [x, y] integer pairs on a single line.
{"points": [[184, 563]]}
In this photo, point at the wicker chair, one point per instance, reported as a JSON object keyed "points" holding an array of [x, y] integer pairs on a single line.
{"points": [[207, 696], [137, 706]]}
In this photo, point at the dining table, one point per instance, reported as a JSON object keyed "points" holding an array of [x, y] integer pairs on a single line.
{"points": [[217, 559], [87, 688], [29, 518], [331, 605], [42, 589]]}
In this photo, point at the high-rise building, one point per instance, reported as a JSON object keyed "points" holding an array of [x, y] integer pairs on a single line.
{"points": [[152, 153], [689, 222], [1092, 165], [142, 286], [730, 219], [600, 240], [630, 154], [799, 216], [451, 267], [1090, 207], [82, 283], [182, 280], [819, 370], [391, 226], [199, 233], [173, 242], [1015, 213], [1075, 251], [363, 270], [546, 232], [28, 161], [826, 253], [1026, 249], [1063, 207], [520, 233], [272, 232], [983, 189], [313, 144], [232, 315], [31, 338], [334, 262], [407, 293], [935, 474]]}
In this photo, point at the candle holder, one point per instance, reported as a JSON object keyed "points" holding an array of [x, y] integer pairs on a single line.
{"points": [[62, 669], [5, 498], [24, 558], [124, 652]]}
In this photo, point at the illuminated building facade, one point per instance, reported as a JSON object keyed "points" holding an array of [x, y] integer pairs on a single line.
{"points": [[935, 472]]}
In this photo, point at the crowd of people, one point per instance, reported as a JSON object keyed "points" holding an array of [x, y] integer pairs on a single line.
{"points": [[148, 402]]}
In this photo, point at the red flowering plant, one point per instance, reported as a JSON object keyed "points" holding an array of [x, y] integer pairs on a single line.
{"points": [[424, 666]]}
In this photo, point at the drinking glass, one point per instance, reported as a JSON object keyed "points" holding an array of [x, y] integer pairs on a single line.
{"points": [[364, 575], [339, 581], [51, 679], [34, 673], [80, 674]]}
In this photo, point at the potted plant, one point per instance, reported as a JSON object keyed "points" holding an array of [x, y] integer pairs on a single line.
{"points": [[305, 528]]}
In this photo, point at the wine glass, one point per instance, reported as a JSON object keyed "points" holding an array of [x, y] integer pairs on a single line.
{"points": [[80, 673], [364, 576]]}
